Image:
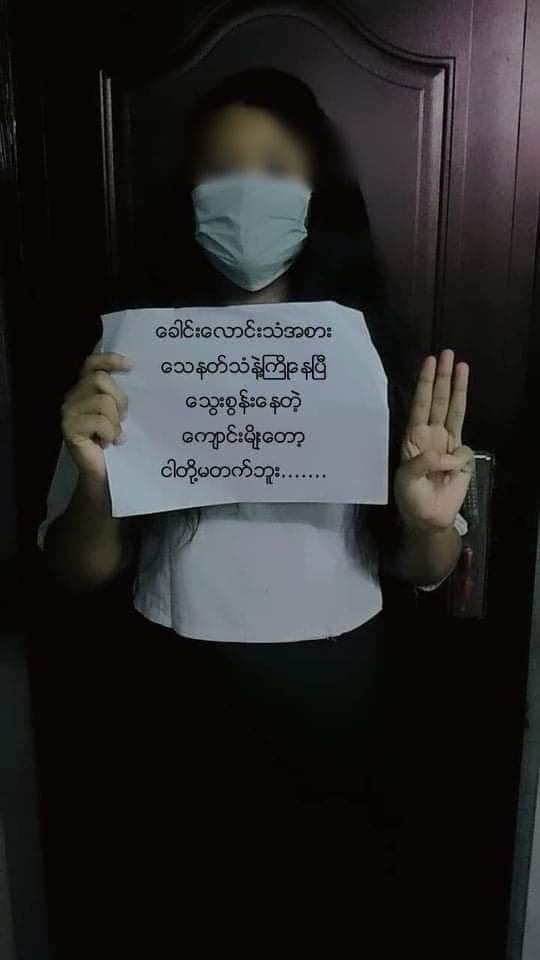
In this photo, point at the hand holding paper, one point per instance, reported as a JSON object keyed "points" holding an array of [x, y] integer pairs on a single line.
{"points": [[91, 413]]}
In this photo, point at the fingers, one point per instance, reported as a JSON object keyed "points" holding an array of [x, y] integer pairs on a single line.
{"points": [[430, 462], [421, 405], [458, 401], [440, 397], [442, 388], [85, 426], [76, 421], [464, 457], [95, 374], [95, 383], [106, 361], [96, 405]]}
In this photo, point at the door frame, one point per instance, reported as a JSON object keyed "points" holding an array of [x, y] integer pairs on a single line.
{"points": [[524, 922]]}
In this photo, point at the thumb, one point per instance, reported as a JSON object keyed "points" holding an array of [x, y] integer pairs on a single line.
{"points": [[464, 458], [430, 461]]}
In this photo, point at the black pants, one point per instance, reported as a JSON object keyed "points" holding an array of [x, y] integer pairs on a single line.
{"points": [[304, 716], [211, 723], [230, 774]]}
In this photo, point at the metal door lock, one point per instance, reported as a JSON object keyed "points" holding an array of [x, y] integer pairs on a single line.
{"points": [[468, 583]]}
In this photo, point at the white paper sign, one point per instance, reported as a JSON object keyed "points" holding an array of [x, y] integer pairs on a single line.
{"points": [[268, 402]]}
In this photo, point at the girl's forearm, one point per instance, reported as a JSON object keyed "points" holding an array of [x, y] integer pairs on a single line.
{"points": [[425, 557], [86, 547]]}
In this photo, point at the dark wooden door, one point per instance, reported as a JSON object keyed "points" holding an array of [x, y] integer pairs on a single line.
{"points": [[437, 103]]}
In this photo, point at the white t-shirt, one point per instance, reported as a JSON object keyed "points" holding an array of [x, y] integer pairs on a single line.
{"points": [[253, 572]]}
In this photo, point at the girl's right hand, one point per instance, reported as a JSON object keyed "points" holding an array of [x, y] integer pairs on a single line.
{"points": [[92, 412]]}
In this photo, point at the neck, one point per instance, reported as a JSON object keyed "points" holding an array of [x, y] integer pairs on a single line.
{"points": [[275, 292]]}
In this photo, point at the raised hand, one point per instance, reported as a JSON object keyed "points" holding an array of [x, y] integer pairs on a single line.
{"points": [[435, 470]]}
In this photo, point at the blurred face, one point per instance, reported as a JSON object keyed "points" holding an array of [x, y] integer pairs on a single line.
{"points": [[240, 138]]}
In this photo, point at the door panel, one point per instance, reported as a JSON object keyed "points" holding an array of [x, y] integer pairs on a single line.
{"points": [[434, 100]]}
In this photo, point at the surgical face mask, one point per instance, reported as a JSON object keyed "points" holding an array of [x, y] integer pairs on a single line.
{"points": [[251, 225]]}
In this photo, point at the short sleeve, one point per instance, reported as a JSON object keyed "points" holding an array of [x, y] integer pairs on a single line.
{"points": [[62, 488], [462, 527]]}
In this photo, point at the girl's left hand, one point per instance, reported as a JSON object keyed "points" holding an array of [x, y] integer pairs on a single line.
{"points": [[435, 471]]}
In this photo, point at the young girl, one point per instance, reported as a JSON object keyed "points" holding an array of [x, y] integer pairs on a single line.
{"points": [[271, 666]]}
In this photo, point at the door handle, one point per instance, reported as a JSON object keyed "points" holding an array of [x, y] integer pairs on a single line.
{"points": [[468, 583]]}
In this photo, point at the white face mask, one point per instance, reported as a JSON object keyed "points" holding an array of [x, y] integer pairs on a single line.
{"points": [[251, 225]]}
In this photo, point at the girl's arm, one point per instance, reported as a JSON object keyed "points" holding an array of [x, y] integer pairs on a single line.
{"points": [[86, 547], [424, 558]]}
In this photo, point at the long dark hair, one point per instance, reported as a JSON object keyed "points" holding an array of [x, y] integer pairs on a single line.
{"points": [[338, 261]]}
